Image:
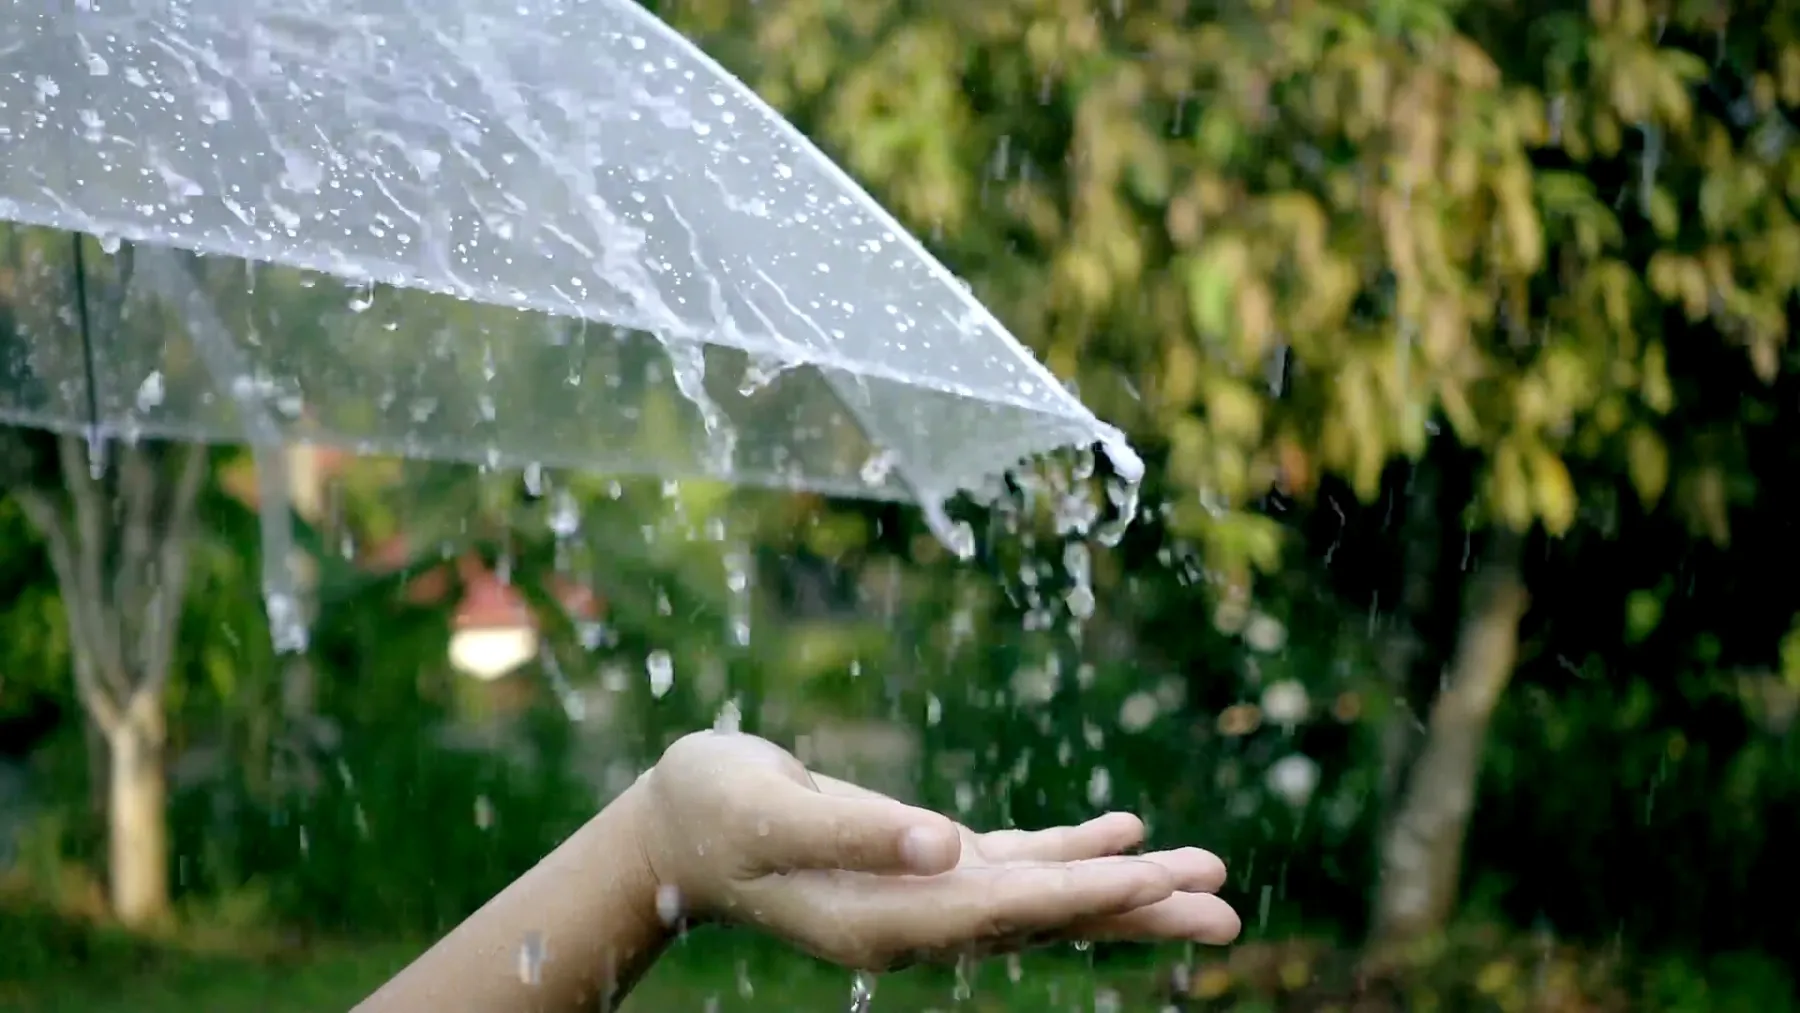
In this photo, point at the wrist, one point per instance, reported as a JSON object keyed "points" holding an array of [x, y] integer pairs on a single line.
{"points": [[618, 836]]}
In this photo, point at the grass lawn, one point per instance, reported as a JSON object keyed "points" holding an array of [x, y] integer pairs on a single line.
{"points": [[714, 971]]}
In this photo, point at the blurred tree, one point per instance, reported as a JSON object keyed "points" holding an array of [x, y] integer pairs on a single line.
{"points": [[117, 532], [1286, 243]]}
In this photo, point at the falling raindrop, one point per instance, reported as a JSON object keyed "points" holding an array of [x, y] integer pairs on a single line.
{"points": [[862, 992], [1080, 569], [661, 669], [730, 719], [531, 959], [1293, 778], [1099, 789], [573, 703], [962, 990], [287, 627], [737, 582], [565, 517], [668, 904]]}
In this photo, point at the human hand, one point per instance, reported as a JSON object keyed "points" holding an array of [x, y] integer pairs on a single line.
{"points": [[733, 827]]}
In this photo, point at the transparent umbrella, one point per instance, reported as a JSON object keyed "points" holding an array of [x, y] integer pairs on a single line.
{"points": [[523, 232]]}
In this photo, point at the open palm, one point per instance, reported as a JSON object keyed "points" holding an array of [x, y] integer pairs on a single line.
{"points": [[745, 832]]}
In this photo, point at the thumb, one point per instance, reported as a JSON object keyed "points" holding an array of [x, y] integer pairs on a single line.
{"points": [[801, 828]]}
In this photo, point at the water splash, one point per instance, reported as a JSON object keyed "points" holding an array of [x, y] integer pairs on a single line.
{"points": [[955, 535], [688, 359], [1122, 490], [862, 992]]}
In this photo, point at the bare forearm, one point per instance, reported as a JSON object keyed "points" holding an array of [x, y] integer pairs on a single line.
{"points": [[570, 936]]}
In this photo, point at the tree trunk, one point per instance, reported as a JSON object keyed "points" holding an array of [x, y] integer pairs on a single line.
{"points": [[295, 763], [1421, 847], [122, 589], [137, 825], [1403, 648]]}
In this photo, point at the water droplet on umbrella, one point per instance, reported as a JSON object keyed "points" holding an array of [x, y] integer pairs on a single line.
{"points": [[876, 469], [150, 392]]}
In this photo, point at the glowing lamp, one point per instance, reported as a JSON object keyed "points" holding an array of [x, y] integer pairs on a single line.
{"points": [[493, 630]]}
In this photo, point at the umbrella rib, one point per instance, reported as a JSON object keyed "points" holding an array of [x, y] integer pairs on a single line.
{"points": [[84, 321]]}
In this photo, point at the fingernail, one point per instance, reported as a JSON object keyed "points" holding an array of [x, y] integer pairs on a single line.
{"points": [[926, 851]]}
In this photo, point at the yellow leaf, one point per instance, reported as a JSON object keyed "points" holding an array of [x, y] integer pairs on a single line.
{"points": [[1509, 487], [1647, 462], [1233, 411], [1496, 977], [1212, 282], [1708, 504], [1211, 983], [1296, 974], [1552, 491], [1180, 380], [1655, 388], [1256, 320], [1664, 275], [1665, 217]]}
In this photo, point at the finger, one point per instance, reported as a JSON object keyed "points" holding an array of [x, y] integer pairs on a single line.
{"points": [[1097, 838], [1195, 917], [967, 907], [798, 828], [843, 789], [1194, 870]]}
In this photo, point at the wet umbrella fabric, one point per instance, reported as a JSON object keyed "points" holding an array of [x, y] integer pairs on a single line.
{"points": [[530, 232]]}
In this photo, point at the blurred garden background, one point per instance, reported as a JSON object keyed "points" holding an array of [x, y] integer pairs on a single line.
{"points": [[1457, 617]]}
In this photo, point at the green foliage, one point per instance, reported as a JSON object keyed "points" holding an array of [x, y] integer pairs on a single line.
{"points": [[405, 836], [34, 647], [1306, 253]]}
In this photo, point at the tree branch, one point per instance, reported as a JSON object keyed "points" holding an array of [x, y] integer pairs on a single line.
{"points": [[89, 549], [133, 584], [43, 515], [164, 625]]}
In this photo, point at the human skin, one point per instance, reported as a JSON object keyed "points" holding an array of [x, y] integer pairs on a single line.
{"points": [[729, 827]]}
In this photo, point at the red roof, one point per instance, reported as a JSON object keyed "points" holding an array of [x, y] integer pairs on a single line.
{"points": [[486, 599]]}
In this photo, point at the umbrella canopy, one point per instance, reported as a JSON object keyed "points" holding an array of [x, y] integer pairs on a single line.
{"points": [[535, 231]]}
